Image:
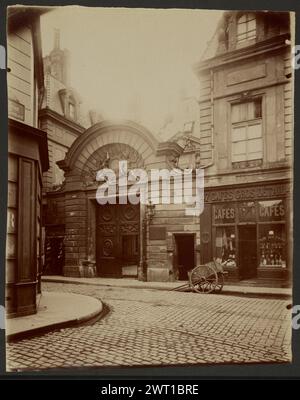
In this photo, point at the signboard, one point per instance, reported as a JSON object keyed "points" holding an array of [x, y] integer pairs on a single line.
{"points": [[273, 210], [250, 193], [247, 211], [224, 213], [11, 220], [157, 233]]}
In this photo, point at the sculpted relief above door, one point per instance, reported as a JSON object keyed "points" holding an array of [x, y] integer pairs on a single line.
{"points": [[108, 156]]}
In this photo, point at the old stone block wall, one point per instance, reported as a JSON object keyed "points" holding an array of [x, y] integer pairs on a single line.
{"points": [[60, 139], [75, 231], [172, 219]]}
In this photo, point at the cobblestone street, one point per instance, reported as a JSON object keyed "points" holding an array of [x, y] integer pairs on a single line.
{"points": [[154, 327]]}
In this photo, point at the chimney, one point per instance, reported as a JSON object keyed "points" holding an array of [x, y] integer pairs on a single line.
{"points": [[56, 39], [66, 67]]}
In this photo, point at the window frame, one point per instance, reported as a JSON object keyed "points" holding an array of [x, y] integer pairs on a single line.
{"points": [[248, 122], [248, 31]]}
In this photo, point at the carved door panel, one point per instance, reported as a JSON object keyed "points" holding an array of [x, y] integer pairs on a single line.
{"points": [[108, 245], [117, 238], [129, 226]]}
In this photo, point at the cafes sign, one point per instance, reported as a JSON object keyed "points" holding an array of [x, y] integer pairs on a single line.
{"points": [[223, 214], [271, 210]]}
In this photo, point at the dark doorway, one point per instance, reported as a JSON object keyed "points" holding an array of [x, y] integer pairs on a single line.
{"points": [[54, 256], [185, 254], [247, 252]]}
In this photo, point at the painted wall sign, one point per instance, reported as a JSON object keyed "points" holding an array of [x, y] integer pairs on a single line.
{"points": [[11, 220], [249, 193], [224, 214], [271, 210]]}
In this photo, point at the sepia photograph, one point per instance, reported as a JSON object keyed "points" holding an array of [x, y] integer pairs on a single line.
{"points": [[150, 188]]}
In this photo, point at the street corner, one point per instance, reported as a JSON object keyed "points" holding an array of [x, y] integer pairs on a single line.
{"points": [[56, 310]]}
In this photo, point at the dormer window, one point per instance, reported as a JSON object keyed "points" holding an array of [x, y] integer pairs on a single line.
{"points": [[69, 103], [71, 111], [246, 27]]}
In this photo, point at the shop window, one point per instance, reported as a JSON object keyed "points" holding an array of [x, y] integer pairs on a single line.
{"points": [[225, 246], [247, 142], [272, 245], [246, 28]]}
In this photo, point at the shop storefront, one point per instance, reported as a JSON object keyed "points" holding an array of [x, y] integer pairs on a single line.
{"points": [[247, 229]]}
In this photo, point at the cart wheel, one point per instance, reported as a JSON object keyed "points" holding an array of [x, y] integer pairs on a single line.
{"points": [[220, 284], [204, 279]]}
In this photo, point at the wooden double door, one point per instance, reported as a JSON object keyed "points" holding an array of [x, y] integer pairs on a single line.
{"points": [[118, 237]]}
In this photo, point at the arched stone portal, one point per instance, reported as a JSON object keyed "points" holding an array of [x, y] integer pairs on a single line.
{"points": [[108, 239], [122, 239]]}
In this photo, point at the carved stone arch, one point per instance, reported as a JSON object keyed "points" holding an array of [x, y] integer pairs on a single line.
{"points": [[108, 156], [104, 133]]}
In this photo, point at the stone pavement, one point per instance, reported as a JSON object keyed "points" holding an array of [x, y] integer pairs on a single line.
{"points": [[55, 310], [135, 284], [151, 327]]}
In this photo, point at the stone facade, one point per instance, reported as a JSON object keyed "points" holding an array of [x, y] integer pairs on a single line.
{"points": [[156, 236], [248, 64], [243, 140]]}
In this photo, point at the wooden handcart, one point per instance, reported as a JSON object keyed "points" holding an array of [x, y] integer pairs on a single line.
{"points": [[207, 278]]}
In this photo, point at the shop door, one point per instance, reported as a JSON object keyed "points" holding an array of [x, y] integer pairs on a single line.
{"points": [[185, 255], [247, 252]]}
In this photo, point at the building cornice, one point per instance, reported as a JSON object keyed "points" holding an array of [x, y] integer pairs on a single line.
{"points": [[270, 45], [48, 113], [230, 185], [40, 136]]}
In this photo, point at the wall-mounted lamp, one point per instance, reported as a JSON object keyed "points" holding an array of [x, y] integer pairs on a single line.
{"points": [[150, 210]]}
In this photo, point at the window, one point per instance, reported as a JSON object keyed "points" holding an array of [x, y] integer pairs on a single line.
{"points": [[72, 111], [246, 27], [225, 246], [246, 120], [272, 245], [188, 127]]}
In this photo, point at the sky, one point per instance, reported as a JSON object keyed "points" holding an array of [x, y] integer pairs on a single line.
{"points": [[128, 62]]}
